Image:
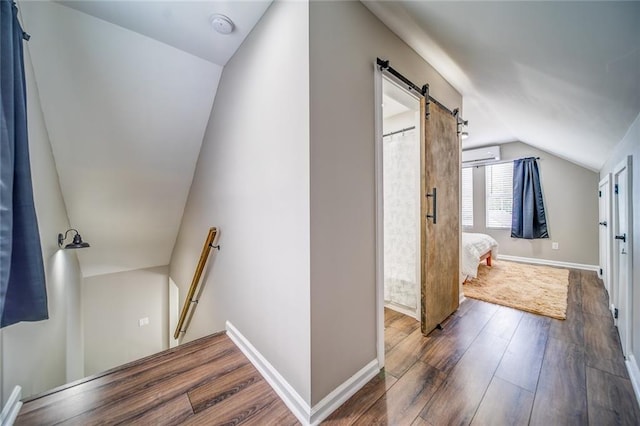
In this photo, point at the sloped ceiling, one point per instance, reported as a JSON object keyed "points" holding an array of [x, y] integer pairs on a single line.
{"points": [[126, 115], [561, 76]]}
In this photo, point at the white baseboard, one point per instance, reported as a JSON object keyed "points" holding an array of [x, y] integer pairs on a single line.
{"points": [[11, 408], [285, 391], [547, 262], [342, 393], [299, 407], [634, 375], [404, 311]]}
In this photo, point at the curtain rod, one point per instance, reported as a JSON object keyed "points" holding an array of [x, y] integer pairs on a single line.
{"points": [[491, 163], [406, 129], [423, 92]]}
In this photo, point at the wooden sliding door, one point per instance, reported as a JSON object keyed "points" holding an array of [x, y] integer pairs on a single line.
{"points": [[440, 219]]}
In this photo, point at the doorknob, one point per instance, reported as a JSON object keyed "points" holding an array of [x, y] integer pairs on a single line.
{"points": [[622, 237], [603, 223]]}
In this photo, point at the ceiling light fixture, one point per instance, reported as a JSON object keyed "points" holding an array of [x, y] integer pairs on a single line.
{"points": [[221, 24], [77, 240], [464, 135]]}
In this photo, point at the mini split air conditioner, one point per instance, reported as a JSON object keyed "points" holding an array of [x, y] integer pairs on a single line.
{"points": [[479, 156]]}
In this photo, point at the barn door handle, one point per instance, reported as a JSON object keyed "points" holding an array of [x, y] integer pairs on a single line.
{"points": [[434, 199], [622, 237]]}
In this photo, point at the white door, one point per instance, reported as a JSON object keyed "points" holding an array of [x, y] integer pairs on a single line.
{"points": [[604, 207], [622, 251]]}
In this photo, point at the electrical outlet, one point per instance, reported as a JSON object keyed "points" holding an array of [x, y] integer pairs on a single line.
{"points": [[143, 321], [555, 246]]}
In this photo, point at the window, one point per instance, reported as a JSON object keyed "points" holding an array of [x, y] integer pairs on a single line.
{"points": [[467, 197], [499, 193]]}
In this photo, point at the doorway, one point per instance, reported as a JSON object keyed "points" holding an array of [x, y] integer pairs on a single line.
{"points": [[622, 256], [401, 199], [604, 217], [437, 223]]}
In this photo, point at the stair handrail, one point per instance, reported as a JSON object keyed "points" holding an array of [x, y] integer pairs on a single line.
{"points": [[189, 301]]}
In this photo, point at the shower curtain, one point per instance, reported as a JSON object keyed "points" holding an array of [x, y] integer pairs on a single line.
{"points": [[401, 182]]}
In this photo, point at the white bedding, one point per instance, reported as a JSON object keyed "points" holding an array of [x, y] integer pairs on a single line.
{"points": [[473, 247]]}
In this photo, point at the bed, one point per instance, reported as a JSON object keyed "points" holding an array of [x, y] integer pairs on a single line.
{"points": [[475, 249]]}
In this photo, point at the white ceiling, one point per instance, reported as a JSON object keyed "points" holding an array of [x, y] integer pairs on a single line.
{"points": [[126, 115], [561, 76], [182, 24], [395, 100], [127, 87]]}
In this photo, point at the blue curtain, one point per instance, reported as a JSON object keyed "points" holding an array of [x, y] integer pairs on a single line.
{"points": [[23, 294], [528, 219]]}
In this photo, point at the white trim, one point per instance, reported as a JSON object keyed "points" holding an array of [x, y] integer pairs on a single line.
{"points": [[12, 407], [634, 375], [622, 297], [285, 391], [378, 90], [413, 313], [342, 393], [605, 186], [299, 407], [548, 262], [377, 94]]}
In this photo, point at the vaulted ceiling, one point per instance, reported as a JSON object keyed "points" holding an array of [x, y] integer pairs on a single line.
{"points": [[561, 76], [127, 87], [126, 90]]}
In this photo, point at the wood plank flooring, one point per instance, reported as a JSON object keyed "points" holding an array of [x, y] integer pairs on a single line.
{"points": [[207, 381], [489, 365], [492, 365]]}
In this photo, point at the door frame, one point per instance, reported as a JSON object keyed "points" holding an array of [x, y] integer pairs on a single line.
{"points": [[379, 213], [605, 245], [622, 297]]}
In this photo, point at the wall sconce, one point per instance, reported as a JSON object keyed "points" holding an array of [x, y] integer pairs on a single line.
{"points": [[77, 240]]}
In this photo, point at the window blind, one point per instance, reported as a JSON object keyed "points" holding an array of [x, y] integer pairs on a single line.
{"points": [[467, 197], [499, 195]]}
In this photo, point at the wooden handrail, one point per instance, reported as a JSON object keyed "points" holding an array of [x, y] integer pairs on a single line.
{"points": [[208, 244]]}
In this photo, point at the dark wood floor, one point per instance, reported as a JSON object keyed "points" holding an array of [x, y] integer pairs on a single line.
{"points": [[489, 365], [208, 381], [493, 365]]}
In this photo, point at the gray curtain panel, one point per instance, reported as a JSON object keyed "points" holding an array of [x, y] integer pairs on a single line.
{"points": [[528, 219], [23, 294]]}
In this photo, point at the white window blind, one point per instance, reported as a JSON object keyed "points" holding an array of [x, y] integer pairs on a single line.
{"points": [[467, 197], [499, 192]]}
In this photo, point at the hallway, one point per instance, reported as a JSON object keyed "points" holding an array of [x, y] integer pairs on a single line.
{"points": [[489, 365], [495, 365]]}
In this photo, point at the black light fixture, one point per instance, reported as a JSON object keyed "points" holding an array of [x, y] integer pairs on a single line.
{"points": [[77, 240]]}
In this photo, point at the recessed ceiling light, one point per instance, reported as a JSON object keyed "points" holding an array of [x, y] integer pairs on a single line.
{"points": [[221, 24]]}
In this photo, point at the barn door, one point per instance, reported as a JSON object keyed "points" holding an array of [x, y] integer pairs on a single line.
{"points": [[440, 207]]}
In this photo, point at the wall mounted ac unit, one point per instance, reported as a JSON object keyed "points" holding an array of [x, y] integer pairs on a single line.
{"points": [[478, 156]]}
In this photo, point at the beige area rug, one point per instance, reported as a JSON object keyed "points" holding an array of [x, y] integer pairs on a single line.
{"points": [[538, 289]]}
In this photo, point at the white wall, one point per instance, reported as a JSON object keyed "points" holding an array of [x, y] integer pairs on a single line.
{"points": [[252, 182], [630, 145], [571, 205], [126, 115], [345, 39], [41, 355], [112, 304]]}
